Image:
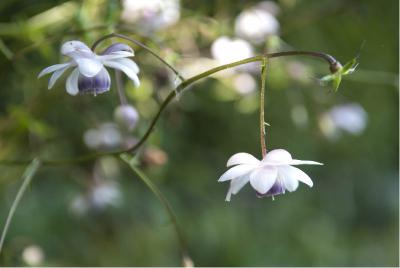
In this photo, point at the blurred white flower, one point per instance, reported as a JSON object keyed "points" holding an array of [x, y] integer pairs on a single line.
{"points": [[106, 137], [105, 194], [33, 255], [244, 83], [227, 50], [101, 195], [269, 177], [350, 118], [151, 15], [89, 74], [257, 23], [127, 116]]}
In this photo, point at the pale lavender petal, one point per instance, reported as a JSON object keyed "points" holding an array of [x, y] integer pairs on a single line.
{"points": [[295, 173], [57, 74], [89, 67], [242, 158], [236, 171], [236, 185], [124, 68], [72, 82], [53, 68], [263, 179]]}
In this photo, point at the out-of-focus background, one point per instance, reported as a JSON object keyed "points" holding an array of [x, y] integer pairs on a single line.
{"points": [[98, 213]]}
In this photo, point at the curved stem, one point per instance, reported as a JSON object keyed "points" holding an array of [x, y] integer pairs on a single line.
{"points": [[182, 86], [164, 201], [112, 35], [262, 107], [27, 178]]}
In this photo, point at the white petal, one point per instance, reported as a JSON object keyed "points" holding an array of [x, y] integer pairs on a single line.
{"points": [[89, 67], [303, 162], [295, 173], [236, 185], [53, 68], [236, 171], [130, 64], [242, 158], [290, 183], [263, 179], [72, 82], [278, 155], [116, 55], [54, 77], [130, 72]]}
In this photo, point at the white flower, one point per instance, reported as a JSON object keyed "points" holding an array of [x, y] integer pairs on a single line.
{"points": [[127, 116], [271, 176], [256, 24], [227, 50], [89, 74], [350, 118], [151, 15]]}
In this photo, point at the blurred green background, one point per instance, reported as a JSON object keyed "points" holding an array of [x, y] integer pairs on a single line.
{"points": [[98, 213]]}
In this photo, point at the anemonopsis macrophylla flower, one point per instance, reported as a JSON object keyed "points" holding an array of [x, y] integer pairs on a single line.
{"points": [[269, 177], [89, 74], [126, 116]]}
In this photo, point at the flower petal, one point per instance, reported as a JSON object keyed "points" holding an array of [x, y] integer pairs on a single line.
{"points": [[278, 155], [118, 48], [75, 48], [97, 84], [57, 74], [53, 68], [263, 179], [116, 55], [127, 69], [236, 185], [291, 173], [89, 67], [235, 172], [303, 162], [72, 82], [242, 158], [289, 182]]}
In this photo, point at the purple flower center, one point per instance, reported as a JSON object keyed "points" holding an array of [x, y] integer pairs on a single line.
{"points": [[276, 189]]}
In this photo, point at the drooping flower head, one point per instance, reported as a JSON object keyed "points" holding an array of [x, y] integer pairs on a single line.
{"points": [[89, 74], [269, 177]]}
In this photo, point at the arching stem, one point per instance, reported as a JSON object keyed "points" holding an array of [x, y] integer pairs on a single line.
{"points": [[333, 65]]}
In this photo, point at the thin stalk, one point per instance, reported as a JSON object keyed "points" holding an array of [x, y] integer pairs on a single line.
{"points": [[164, 201], [120, 89], [262, 107], [27, 178], [333, 63]]}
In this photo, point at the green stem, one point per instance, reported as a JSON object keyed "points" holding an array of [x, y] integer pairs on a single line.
{"points": [[27, 178], [262, 107], [164, 201], [182, 86]]}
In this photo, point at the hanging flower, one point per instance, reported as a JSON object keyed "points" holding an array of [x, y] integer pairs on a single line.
{"points": [[269, 177], [89, 74]]}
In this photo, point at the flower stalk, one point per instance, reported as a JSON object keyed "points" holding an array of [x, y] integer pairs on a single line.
{"points": [[262, 107]]}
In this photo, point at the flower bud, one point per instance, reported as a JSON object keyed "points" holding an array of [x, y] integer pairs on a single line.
{"points": [[126, 116]]}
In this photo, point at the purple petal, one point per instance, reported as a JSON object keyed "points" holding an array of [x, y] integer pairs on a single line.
{"points": [[276, 189], [116, 48], [97, 84]]}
